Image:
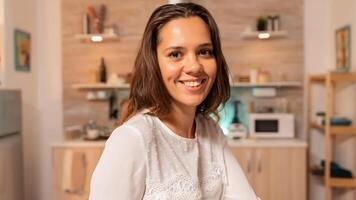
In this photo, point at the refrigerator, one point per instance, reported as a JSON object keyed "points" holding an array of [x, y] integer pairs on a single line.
{"points": [[10, 112], [11, 159]]}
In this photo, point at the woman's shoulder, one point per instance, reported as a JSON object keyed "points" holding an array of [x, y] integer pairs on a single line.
{"points": [[137, 128], [210, 129], [141, 123]]}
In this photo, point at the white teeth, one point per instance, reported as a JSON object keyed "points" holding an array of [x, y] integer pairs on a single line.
{"points": [[192, 83]]}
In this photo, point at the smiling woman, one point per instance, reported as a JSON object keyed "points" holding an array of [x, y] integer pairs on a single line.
{"points": [[169, 146]]}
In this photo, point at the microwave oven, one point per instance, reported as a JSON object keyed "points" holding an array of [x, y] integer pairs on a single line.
{"points": [[271, 125]]}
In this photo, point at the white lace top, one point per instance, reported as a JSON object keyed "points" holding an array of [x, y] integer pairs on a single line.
{"points": [[144, 159]]}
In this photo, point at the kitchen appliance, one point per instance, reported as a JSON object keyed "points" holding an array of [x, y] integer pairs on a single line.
{"points": [[271, 125], [11, 170], [10, 112], [237, 130]]}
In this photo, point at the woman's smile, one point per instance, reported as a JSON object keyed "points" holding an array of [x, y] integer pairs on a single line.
{"points": [[193, 85]]}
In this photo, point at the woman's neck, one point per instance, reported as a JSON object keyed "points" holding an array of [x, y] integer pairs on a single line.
{"points": [[181, 120]]}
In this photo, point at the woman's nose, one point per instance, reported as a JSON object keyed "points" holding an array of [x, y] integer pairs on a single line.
{"points": [[193, 65]]}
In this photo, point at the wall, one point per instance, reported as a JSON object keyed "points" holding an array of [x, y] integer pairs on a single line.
{"points": [[41, 87], [322, 18], [79, 59], [49, 91], [22, 15]]}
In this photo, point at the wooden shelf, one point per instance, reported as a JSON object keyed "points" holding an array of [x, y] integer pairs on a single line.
{"points": [[343, 182], [268, 84], [334, 76], [317, 78], [257, 35], [96, 38], [337, 182], [343, 130], [99, 86], [336, 130], [330, 81], [317, 126]]}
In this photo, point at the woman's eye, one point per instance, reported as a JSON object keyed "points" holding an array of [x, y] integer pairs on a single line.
{"points": [[175, 55], [206, 52]]}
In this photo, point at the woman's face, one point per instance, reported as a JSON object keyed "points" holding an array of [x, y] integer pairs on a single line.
{"points": [[186, 60]]}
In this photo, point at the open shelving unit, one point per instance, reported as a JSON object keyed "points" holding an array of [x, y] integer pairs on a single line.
{"points": [[330, 80]]}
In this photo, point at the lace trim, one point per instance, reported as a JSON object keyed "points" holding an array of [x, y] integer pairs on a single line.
{"points": [[182, 187]]}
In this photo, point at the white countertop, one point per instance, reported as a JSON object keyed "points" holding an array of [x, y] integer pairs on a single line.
{"points": [[79, 143], [232, 143], [267, 143]]}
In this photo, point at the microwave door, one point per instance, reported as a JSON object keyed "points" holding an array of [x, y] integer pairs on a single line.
{"points": [[267, 127]]}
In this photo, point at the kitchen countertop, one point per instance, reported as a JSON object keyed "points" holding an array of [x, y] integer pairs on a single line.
{"points": [[267, 143], [79, 143], [232, 143]]}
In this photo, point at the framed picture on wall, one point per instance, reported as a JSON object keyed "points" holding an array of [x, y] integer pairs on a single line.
{"points": [[22, 51], [343, 48]]}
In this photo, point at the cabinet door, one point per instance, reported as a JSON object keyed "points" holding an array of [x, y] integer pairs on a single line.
{"points": [[245, 158], [72, 170], [280, 173]]}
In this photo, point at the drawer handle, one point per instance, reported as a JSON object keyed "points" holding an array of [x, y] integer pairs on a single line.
{"points": [[259, 165], [249, 163]]}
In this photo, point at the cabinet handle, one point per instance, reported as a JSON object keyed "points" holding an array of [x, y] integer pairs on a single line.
{"points": [[259, 165], [249, 163]]}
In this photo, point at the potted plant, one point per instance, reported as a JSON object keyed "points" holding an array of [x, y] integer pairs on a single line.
{"points": [[261, 23]]}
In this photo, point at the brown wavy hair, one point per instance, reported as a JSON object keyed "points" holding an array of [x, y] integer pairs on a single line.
{"points": [[147, 88]]}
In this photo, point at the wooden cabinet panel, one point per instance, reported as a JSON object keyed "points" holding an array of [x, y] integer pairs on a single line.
{"points": [[277, 173], [72, 170], [261, 172], [245, 158]]}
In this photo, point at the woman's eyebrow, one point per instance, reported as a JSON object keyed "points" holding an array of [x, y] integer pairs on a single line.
{"points": [[174, 48], [180, 47], [205, 45]]}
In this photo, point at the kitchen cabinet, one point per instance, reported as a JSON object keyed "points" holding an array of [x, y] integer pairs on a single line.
{"points": [[275, 173], [72, 167], [276, 169]]}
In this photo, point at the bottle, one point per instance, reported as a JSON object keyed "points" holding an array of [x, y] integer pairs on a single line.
{"points": [[270, 26], [276, 23], [102, 71], [253, 74], [237, 129]]}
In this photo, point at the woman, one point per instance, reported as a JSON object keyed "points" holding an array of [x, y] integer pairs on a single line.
{"points": [[169, 146]]}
